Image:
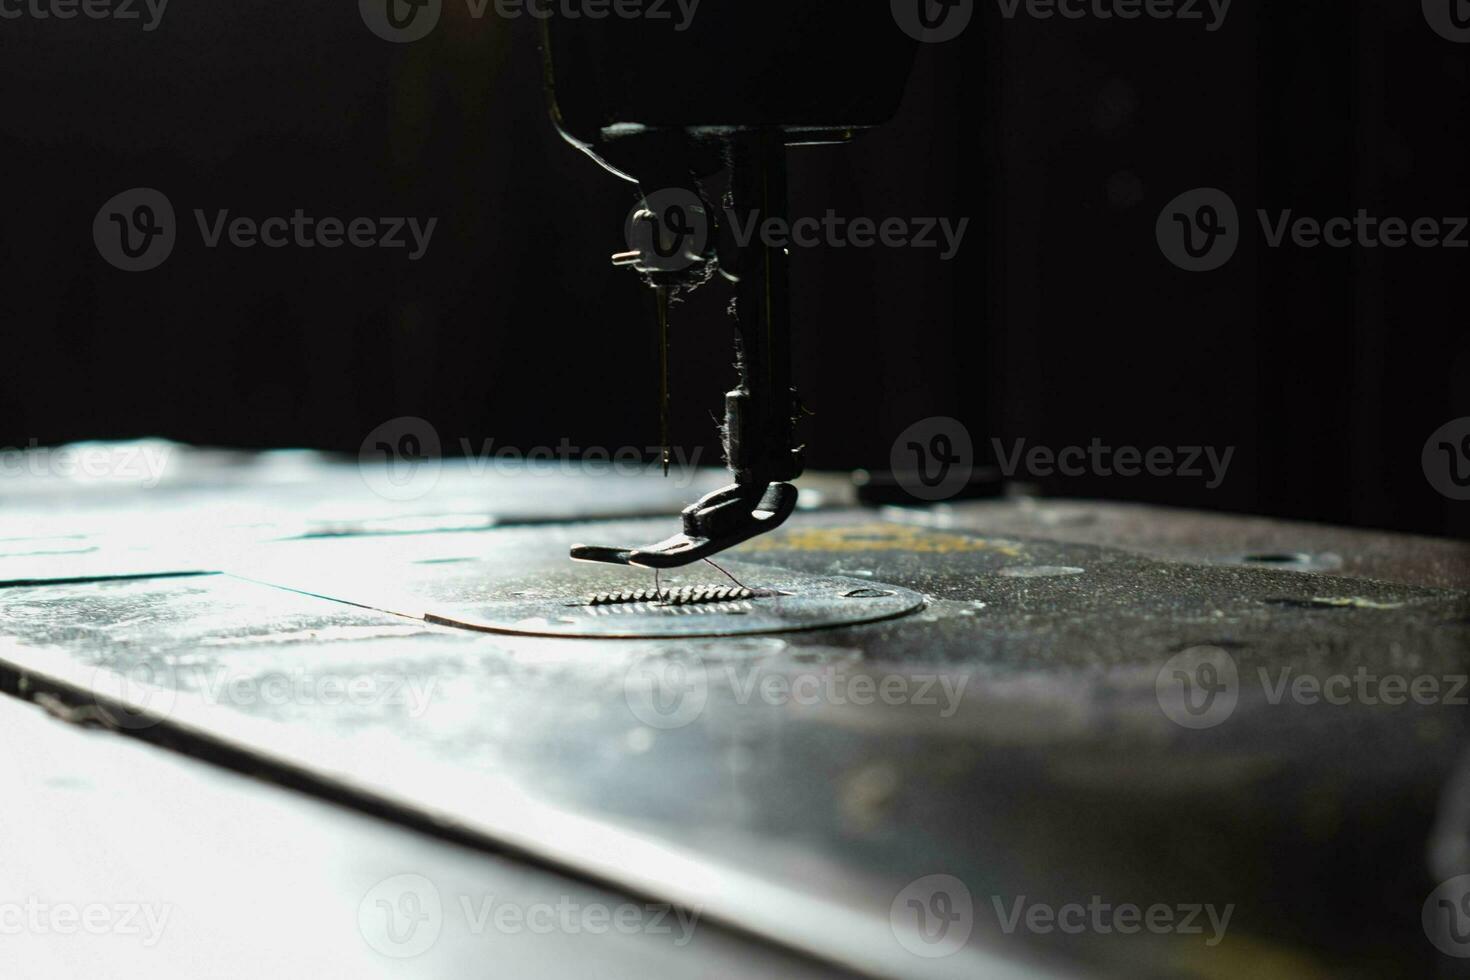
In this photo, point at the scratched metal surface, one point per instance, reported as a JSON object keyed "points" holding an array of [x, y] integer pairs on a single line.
{"points": [[1047, 770]]}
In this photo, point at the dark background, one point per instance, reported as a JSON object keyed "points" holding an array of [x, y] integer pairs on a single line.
{"points": [[1060, 321]]}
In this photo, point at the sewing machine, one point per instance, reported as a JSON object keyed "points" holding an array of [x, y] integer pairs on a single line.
{"points": [[929, 744], [667, 109]]}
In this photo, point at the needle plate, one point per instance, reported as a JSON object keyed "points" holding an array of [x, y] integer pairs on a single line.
{"points": [[776, 601]]}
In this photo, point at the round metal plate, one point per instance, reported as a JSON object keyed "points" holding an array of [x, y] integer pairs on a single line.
{"points": [[784, 602]]}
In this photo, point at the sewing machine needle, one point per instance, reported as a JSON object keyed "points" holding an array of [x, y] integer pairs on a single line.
{"points": [[662, 293]]}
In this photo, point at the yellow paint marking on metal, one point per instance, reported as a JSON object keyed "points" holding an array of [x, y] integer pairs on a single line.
{"points": [[1243, 956], [1355, 602], [880, 537]]}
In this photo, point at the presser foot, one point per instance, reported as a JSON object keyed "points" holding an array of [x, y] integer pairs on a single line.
{"points": [[719, 521]]}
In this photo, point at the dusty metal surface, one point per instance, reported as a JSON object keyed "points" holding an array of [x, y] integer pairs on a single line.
{"points": [[1019, 734], [1199, 536]]}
